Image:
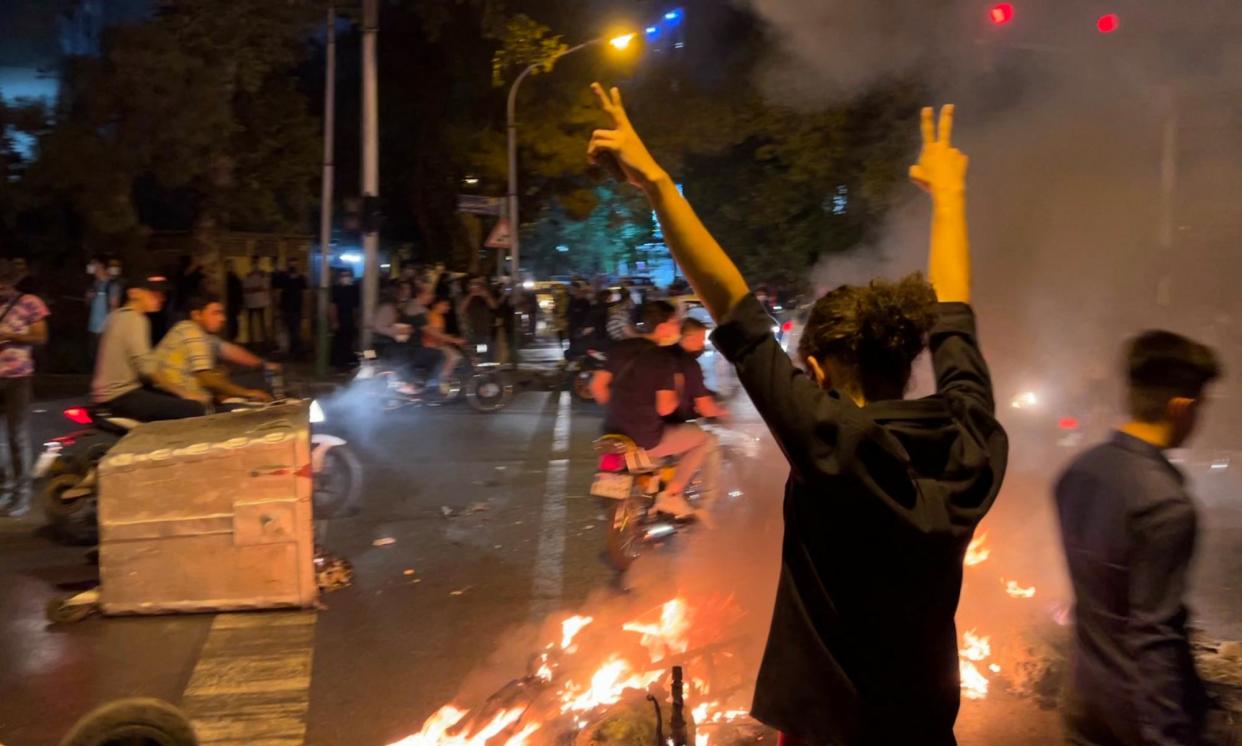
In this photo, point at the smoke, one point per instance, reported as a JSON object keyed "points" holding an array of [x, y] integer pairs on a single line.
{"points": [[1101, 199]]}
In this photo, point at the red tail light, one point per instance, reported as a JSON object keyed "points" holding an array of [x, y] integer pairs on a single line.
{"points": [[1068, 423], [78, 415], [787, 327], [612, 462]]}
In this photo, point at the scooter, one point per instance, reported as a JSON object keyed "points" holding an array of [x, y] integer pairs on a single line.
{"points": [[486, 386], [68, 470]]}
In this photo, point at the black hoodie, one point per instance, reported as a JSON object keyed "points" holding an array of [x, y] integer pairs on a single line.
{"points": [[881, 503]]}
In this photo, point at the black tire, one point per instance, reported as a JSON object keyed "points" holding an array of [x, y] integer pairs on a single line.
{"points": [[59, 612], [59, 511], [581, 384], [624, 533], [133, 722], [338, 485], [489, 390]]}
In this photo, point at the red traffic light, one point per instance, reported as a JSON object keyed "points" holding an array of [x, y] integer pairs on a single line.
{"points": [[1001, 14], [1109, 23]]}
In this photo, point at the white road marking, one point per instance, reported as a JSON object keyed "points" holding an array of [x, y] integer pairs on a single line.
{"points": [[550, 555], [560, 430]]}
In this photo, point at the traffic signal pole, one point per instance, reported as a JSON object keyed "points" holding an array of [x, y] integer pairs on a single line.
{"points": [[325, 200], [370, 165]]}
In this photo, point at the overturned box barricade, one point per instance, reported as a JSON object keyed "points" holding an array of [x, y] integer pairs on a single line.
{"points": [[207, 514]]}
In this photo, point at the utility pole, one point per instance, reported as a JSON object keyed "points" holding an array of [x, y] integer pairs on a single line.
{"points": [[1168, 194], [325, 198], [370, 167]]}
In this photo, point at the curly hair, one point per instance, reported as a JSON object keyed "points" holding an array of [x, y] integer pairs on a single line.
{"points": [[875, 332]]}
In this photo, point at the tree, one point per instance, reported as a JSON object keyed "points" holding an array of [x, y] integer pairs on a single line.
{"points": [[190, 119]]}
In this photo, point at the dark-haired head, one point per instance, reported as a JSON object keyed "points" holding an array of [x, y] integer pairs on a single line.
{"points": [[1167, 374], [207, 310], [658, 320], [693, 335], [862, 340]]}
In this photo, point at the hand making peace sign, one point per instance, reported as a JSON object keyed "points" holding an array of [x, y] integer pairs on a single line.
{"points": [[941, 167], [622, 142]]}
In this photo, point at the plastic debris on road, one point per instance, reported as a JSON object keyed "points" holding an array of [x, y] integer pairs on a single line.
{"points": [[383, 541]]}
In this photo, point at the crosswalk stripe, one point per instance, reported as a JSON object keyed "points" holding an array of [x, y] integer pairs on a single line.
{"points": [[251, 684]]}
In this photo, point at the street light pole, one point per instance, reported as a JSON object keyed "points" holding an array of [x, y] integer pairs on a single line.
{"points": [[325, 198], [370, 167], [511, 120]]}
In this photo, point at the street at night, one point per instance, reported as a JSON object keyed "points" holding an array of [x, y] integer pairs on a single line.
{"points": [[620, 373]]}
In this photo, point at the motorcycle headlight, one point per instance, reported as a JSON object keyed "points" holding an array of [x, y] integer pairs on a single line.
{"points": [[316, 412]]}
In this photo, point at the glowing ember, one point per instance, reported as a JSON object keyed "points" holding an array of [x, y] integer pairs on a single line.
{"points": [[571, 627], [435, 730], [606, 687], [668, 636], [994, 668], [1017, 591], [701, 739], [976, 552]]}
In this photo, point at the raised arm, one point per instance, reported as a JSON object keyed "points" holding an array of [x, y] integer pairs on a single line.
{"points": [[941, 172], [714, 276]]}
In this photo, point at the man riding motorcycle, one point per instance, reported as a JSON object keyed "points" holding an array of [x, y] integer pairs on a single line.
{"points": [[127, 381], [639, 388], [186, 358], [400, 322]]}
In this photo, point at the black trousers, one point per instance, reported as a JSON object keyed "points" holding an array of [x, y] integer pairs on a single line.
{"points": [[149, 405], [293, 324]]}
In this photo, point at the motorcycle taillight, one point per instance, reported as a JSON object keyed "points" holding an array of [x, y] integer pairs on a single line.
{"points": [[612, 462], [78, 415]]}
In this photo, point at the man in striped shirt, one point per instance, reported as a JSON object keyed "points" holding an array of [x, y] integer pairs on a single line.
{"points": [[186, 359]]}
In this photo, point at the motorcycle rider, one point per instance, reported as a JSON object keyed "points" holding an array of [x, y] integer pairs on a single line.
{"points": [[639, 389], [399, 328], [186, 358], [697, 400], [127, 381]]}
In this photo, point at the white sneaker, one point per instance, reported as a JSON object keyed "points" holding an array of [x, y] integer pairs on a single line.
{"points": [[675, 505]]}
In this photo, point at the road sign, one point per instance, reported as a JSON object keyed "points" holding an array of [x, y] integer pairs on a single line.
{"points": [[479, 205], [499, 238]]}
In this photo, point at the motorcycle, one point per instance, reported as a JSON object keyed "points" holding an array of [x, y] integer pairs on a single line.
{"points": [[485, 386], [68, 470], [630, 481]]}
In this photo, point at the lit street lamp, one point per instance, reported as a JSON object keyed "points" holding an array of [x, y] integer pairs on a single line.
{"points": [[621, 42]]}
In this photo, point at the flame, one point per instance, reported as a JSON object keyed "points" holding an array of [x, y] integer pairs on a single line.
{"points": [[1017, 591], [975, 649], [571, 627], [700, 739], [974, 684], [435, 729], [668, 636], [606, 687], [976, 552]]}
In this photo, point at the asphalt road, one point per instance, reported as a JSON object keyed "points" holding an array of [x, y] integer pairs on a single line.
{"points": [[476, 536]]}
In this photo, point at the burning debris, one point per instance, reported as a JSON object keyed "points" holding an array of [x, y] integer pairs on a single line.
{"points": [[628, 695]]}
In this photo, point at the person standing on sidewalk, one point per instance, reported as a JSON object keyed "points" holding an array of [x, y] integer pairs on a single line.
{"points": [[22, 325], [258, 289], [292, 293], [1128, 527], [234, 299], [103, 297]]}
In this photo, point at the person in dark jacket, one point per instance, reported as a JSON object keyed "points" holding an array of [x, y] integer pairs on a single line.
{"points": [[884, 494], [1128, 528], [233, 298]]}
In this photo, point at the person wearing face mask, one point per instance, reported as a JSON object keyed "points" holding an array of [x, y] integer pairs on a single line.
{"points": [[639, 389], [22, 326], [103, 297]]}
